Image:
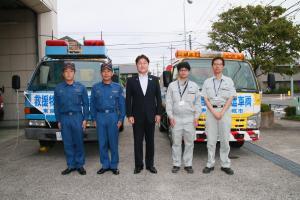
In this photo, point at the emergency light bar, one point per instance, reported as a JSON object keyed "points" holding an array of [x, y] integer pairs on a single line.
{"points": [[94, 43], [198, 54], [56, 47], [91, 48], [94, 47]]}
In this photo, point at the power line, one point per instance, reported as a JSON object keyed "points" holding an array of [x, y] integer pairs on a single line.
{"points": [[272, 1], [149, 47], [296, 10], [146, 43]]}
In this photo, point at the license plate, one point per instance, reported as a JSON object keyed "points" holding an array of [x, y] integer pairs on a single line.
{"points": [[58, 136]]}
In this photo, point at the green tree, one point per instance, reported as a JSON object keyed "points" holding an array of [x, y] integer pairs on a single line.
{"points": [[263, 33]]}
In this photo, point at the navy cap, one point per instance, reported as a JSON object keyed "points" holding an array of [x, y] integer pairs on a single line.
{"points": [[69, 65], [106, 66]]}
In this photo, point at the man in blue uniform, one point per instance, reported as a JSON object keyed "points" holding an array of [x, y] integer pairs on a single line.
{"points": [[71, 107], [108, 112]]}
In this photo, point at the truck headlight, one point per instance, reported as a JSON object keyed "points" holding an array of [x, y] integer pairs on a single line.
{"points": [[1, 105], [90, 124], [254, 121], [37, 123]]}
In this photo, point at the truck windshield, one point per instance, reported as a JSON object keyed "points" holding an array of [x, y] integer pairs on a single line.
{"points": [[49, 74], [239, 71]]}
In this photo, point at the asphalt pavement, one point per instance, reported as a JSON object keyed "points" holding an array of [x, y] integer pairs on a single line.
{"points": [[25, 173]]}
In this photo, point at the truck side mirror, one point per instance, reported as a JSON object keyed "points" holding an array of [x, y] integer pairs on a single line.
{"points": [[167, 78], [15, 82]]}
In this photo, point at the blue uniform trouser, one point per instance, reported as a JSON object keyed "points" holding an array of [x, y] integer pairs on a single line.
{"points": [[72, 135], [108, 138]]}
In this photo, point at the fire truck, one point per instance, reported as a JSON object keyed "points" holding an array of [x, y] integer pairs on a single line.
{"points": [[246, 114], [39, 95]]}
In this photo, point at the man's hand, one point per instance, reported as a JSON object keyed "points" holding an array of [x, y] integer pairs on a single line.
{"points": [[157, 119], [195, 122], [95, 124], [172, 122], [59, 125], [84, 125], [119, 124], [131, 120]]}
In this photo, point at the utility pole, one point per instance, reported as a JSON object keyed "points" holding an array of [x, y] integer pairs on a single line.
{"points": [[171, 48], [292, 84], [190, 41], [163, 59]]}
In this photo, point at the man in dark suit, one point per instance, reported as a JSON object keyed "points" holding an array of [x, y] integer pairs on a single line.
{"points": [[143, 109]]}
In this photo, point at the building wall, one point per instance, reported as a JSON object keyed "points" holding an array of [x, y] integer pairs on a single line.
{"points": [[23, 32], [18, 53]]}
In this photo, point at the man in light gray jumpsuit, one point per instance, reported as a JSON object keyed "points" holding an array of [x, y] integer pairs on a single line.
{"points": [[183, 108], [218, 92]]}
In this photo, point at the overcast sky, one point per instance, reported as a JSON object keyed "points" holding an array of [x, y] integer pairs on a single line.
{"points": [[148, 26]]}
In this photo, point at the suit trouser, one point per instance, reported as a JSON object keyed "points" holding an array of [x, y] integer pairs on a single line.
{"points": [[143, 129], [218, 129], [185, 131], [108, 139], [72, 135]]}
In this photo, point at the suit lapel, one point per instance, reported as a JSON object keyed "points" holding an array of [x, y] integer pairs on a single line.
{"points": [[150, 80], [139, 85]]}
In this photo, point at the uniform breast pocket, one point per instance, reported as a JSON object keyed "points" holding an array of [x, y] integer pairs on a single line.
{"points": [[191, 95], [210, 92], [225, 91], [78, 97], [114, 97]]}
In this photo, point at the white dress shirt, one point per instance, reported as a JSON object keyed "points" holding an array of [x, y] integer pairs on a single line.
{"points": [[144, 82]]}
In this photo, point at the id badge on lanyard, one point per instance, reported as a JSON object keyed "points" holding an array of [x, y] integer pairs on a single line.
{"points": [[181, 102]]}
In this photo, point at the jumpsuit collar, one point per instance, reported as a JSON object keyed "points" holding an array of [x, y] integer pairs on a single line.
{"points": [[215, 78]]}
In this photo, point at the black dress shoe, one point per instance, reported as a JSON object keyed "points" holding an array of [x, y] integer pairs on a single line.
{"points": [[67, 171], [207, 170], [189, 169], [115, 171], [102, 171], [152, 170], [175, 169], [137, 170], [81, 171], [227, 170]]}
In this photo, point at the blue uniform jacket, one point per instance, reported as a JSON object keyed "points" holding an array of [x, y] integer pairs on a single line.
{"points": [[71, 98], [107, 97]]}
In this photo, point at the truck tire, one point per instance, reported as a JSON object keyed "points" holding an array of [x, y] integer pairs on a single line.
{"points": [[162, 128], [46, 143], [237, 144], [121, 128]]}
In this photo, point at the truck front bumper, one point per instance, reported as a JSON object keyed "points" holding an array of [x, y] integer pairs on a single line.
{"points": [[51, 134], [248, 135]]}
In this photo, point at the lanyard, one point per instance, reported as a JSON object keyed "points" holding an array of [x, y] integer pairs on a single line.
{"points": [[217, 91], [181, 94]]}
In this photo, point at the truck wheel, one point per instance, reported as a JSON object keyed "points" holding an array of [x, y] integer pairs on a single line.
{"points": [[46, 143], [1, 116], [237, 144], [162, 128], [121, 128]]}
